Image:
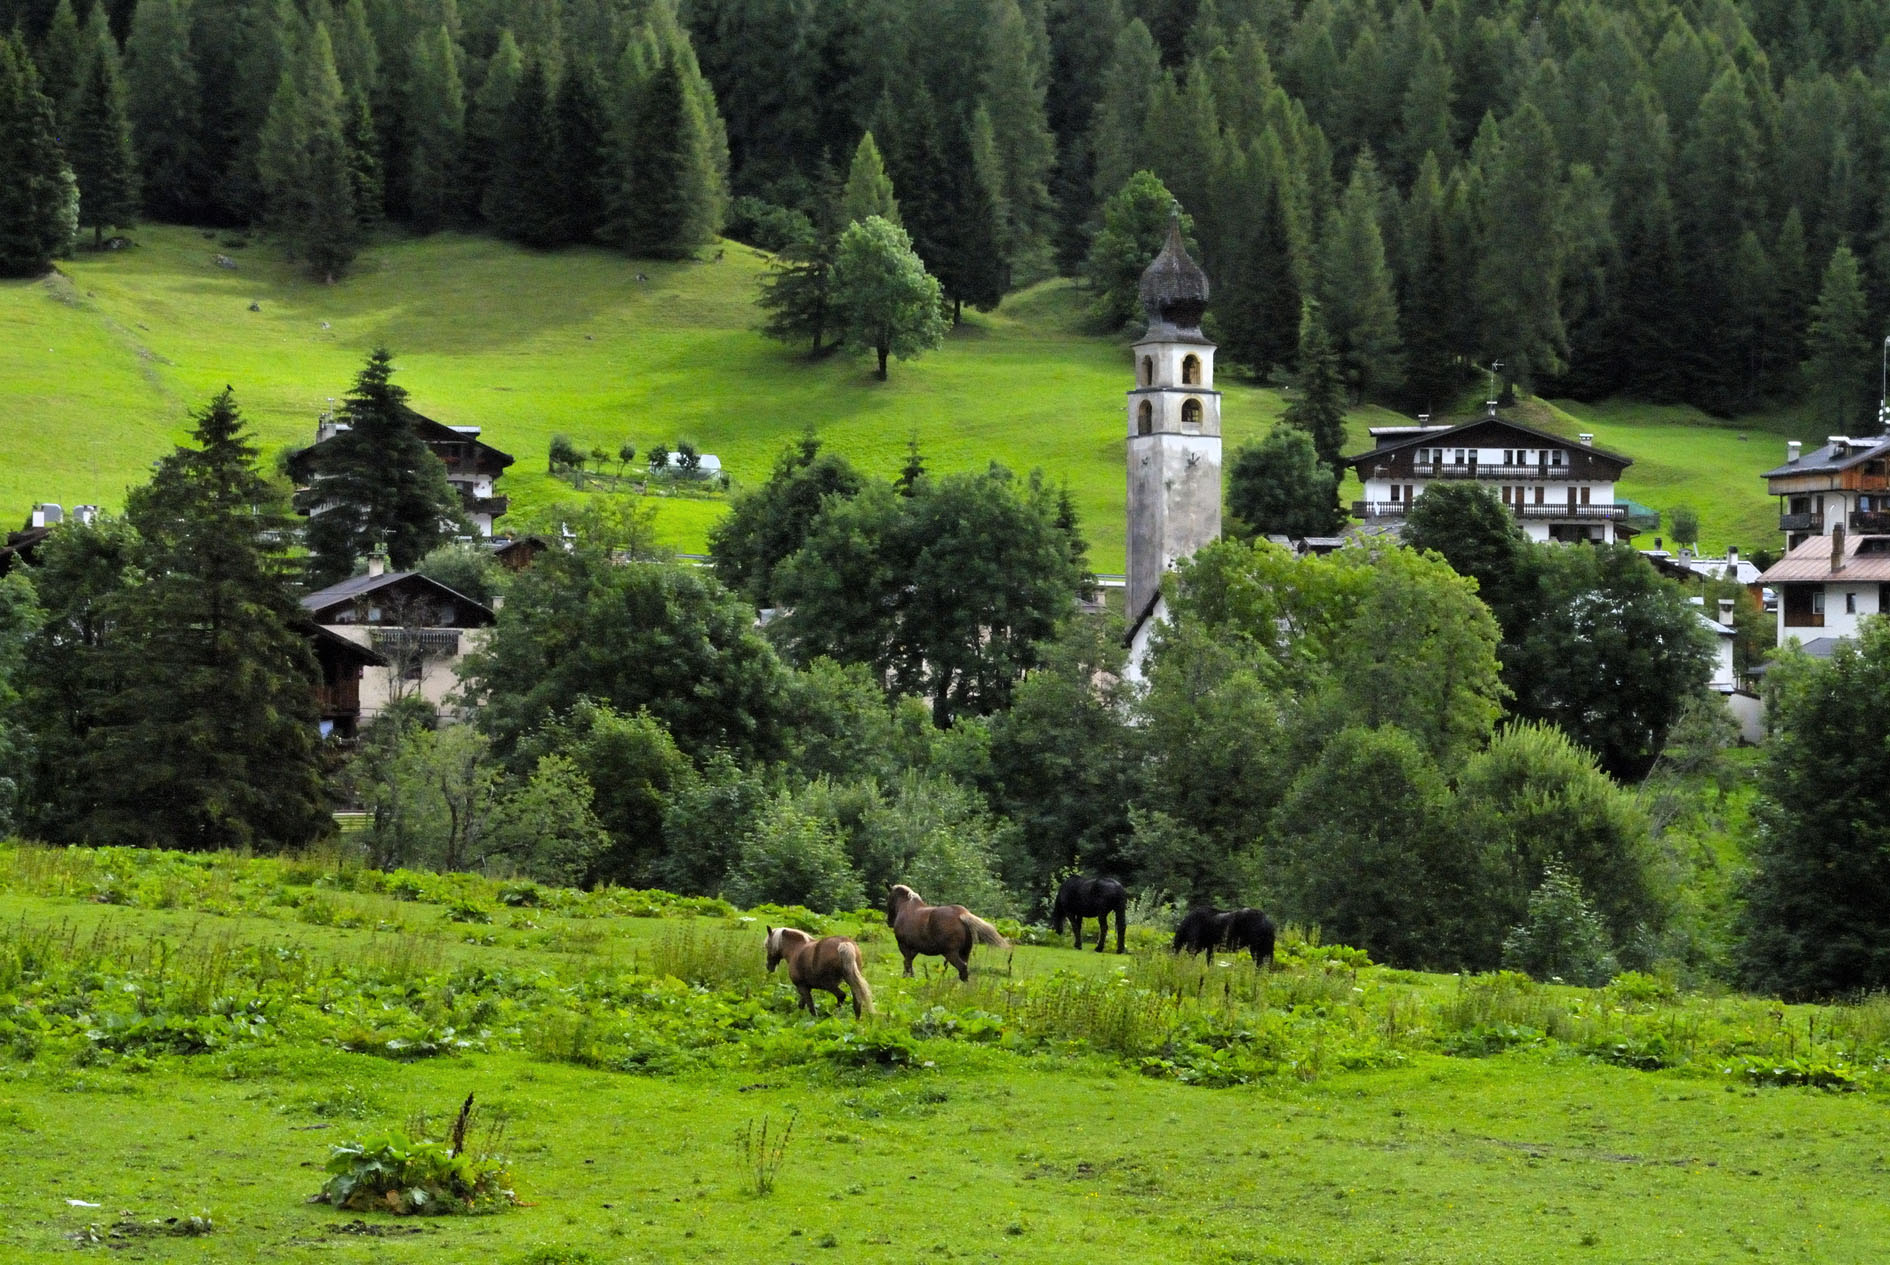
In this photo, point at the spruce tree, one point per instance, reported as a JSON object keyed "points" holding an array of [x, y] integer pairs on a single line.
{"points": [[485, 118], [210, 740], [1841, 354], [367, 176], [1318, 407], [1524, 247], [39, 200], [1359, 306], [331, 234], [435, 117], [375, 484], [62, 59], [1431, 297], [523, 201], [582, 148], [1257, 291], [797, 292], [1121, 117], [1025, 149], [100, 147], [162, 100], [869, 191], [671, 197]]}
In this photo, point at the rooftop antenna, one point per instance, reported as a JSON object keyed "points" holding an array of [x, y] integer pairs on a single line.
{"points": [[1496, 367]]}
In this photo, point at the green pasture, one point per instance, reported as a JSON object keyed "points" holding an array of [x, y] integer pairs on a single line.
{"points": [[1405, 1117], [101, 363]]}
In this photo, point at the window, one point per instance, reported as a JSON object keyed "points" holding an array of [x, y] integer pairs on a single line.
{"points": [[1191, 370], [1584, 496], [1817, 601], [1148, 371], [1191, 414], [1460, 460], [1396, 493], [1555, 458], [1850, 602], [1538, 494], [1506, 494], [1145, 419]]}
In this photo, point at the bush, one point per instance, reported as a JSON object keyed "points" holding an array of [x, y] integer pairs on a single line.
{"points": [[1564, 938], [391, 1172], [791, 857], [759, 222]]}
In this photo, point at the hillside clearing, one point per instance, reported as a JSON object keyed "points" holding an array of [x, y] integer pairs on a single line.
{"points": [[101, 363]]}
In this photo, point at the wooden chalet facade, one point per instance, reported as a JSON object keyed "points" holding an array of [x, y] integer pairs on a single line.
{"points": [[1557, 490], [1844, 485], [418, 630], [472, 465]]}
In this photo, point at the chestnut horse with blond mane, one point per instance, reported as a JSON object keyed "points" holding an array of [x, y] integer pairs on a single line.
{"points": [[947, 931], [826, 964]]}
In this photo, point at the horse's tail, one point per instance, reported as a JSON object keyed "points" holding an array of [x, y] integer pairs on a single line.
{"points": [[856, 978], [983, 932]]}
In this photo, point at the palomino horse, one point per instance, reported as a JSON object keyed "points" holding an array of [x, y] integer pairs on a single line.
{"points": [[1097, 898], [946, 931], [826, 964]]}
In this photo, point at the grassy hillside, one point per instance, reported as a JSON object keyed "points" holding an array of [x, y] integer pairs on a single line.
{"points": [[189, 1036], [101, 364]]}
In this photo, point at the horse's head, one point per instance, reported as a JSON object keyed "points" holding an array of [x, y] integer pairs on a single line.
{"points": [[775, 952], [897, 899]]}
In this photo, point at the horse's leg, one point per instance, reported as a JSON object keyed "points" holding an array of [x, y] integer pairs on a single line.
{"points": [[840, 999], [962, 960], [1102, 930], [1076, 929], [1122, 926], [807, 999]]}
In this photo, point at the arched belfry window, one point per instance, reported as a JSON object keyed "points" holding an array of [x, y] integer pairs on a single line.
{"points": [[1148, 371], [1191, 370], [1145, 419], [1191, 415]]}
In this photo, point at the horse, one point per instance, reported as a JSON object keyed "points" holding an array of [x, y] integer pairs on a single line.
{"points": [[1097, 898], [1205, 929], [947, 931], [826, 964]]}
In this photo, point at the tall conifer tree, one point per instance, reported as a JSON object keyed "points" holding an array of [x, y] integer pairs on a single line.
{"points": [[162, 99], [210, 741], [375, 484], [436, 131], [99, 145], [869, 190], [39, 200]]}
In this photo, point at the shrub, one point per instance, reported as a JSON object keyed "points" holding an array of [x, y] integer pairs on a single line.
{"points": [[1564, 938], [793, 858], [390, 1172]]}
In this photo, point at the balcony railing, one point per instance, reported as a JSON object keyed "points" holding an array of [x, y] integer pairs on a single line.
{"points": [[1570, 511], [1870, 521], [1478, 470], [1801, 522], [1804, 619]]}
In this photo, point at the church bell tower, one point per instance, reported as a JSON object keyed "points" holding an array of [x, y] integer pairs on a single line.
{"points": [[1174, 427]]}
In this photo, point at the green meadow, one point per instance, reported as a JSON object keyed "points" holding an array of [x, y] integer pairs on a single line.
{"points": [[188, 1037], [102, 362]]}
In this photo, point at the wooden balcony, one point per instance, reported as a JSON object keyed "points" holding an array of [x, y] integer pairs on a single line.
{"points": [[1477, 470], [1877, 522], [1597, 513], [1804, 619], [1801, 522]]}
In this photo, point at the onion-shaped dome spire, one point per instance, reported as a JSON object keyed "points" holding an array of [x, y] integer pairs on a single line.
{"points": [[1174, 290]]}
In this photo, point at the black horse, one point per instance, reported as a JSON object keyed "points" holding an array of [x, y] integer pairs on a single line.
{"points": [[1205, 929], [1097, 898]]}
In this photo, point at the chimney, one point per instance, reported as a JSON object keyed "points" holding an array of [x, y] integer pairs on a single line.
{"points": [[1588, 440], [377, 563], [1792, 448], [498, 602], [1837, 548], [1837, 444], [1726, 611], [1732, 556], [85, 515]]}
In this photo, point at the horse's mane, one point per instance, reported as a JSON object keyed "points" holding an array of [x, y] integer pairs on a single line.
{"points": [[780, 937]]}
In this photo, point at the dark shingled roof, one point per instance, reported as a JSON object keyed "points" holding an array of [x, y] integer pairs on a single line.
{"points": [[1824, 461], [1174, 290]]}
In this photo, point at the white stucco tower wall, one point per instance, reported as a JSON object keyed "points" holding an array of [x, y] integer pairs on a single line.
{"points": [[1174, 418]]}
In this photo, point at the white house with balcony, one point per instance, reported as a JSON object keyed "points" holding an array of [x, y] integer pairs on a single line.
{"points": [[1843, 485], [1558, 489], [1828, 584]]}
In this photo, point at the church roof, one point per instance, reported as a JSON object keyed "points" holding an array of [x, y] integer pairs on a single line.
{"points": [[1174, 290]]}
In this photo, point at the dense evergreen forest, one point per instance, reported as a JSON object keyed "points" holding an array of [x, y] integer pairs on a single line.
{"points": [[1671, 201]]}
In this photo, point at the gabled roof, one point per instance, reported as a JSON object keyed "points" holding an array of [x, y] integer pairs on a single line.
{"points": [[1435, 435], [1866, 561], [430, 432], [347, 591], [1825, 461], [344, 649]]}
